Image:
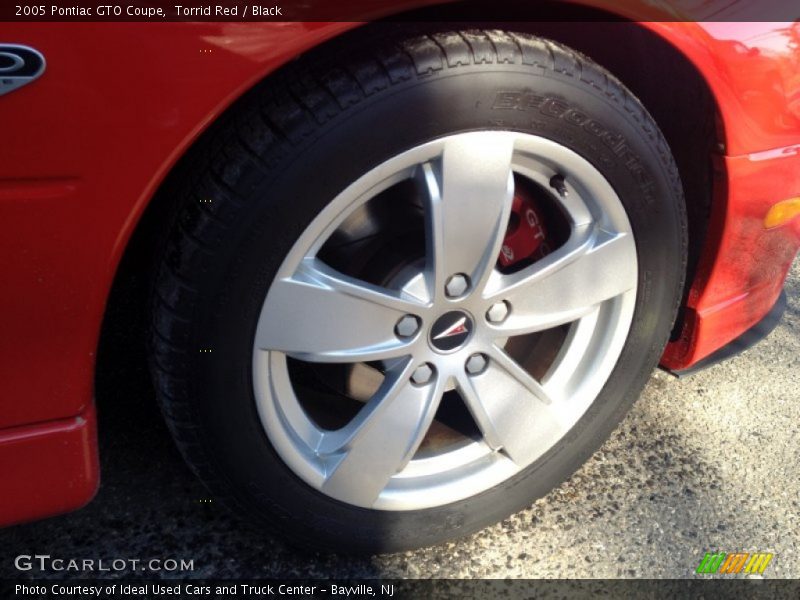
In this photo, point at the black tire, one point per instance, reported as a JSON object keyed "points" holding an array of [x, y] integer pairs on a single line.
{"points": [[249, 198]]}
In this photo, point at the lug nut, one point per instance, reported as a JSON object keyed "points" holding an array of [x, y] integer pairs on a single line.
{"points": [[498, 312], [457, 285], [407, 326], [476, 364], [423, 374]]}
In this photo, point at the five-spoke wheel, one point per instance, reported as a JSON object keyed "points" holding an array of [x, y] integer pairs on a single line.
{"points": [[445, 323], [435, 274]]}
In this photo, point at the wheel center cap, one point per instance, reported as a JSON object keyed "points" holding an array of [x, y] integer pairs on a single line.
{"points": [[450, 331]]}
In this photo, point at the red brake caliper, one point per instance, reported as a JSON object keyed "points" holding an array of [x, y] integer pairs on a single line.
{"points": [[526, 236]]}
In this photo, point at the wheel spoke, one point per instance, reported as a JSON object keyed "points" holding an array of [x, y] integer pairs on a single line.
{"points": [[514, 412], [523, 378], [362, 457], [592, 267], [469, 195], [572, 353], [324, 316]]}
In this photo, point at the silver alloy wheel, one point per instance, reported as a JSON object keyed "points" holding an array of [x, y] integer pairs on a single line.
{"points": [[316, 314]]}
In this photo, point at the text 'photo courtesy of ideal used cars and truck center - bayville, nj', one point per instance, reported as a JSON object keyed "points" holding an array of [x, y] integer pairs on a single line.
{"points": [[400, 298]]}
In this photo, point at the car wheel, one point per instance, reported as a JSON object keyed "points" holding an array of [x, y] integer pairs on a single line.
{"points": [[413, 289]]}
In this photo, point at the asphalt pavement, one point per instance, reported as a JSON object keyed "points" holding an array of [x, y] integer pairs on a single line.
{"points": [[705, 463]]}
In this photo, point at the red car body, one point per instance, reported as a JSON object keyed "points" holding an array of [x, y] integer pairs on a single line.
{"points": [[85, 148]]}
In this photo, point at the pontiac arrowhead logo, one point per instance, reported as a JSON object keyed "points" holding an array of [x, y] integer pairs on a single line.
{"points": [[450, 331], [454, 329]]}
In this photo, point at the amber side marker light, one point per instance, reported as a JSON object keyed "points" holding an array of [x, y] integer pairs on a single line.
{"points": [[782, 212]]}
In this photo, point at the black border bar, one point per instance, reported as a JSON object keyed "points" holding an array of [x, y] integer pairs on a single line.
{"points": [[478, 11], [377, 589]]}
